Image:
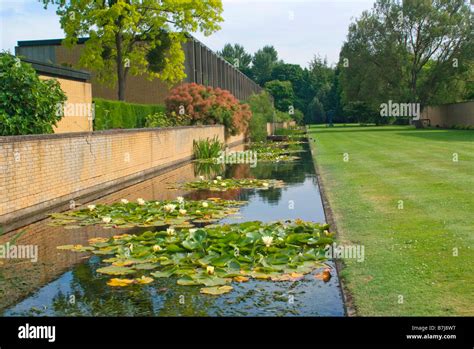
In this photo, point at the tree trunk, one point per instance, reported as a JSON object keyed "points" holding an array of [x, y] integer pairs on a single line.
{"points": [[121, 71]]}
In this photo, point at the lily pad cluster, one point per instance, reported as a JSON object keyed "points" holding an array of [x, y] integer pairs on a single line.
{"points": [[214, 256], [277, 151], [223, 184], [125, 214]]}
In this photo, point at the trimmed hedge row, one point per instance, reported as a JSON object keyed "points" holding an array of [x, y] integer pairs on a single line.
{"points": [[117, 114]]}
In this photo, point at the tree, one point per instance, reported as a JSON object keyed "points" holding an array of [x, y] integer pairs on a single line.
{"points": [[262, 64], [135, 36], [296, 75], [315, 112], [282, 93], [28, 105], [238, 57], [415, 51]]}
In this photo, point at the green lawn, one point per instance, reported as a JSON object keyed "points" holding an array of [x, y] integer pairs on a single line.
{"points": [[409, 252]]}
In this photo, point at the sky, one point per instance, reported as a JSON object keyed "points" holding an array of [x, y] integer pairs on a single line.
{"points": [[298, 29]]}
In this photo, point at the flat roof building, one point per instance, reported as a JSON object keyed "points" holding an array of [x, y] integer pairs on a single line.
{"points": [[202, 66]]}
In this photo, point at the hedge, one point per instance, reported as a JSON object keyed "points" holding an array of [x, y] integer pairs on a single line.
{"points": [[117, 114]]}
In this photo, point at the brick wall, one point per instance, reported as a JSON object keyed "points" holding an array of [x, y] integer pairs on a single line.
{"points": [[447, 115], [40, 172], [138, 88], [78, 93]]}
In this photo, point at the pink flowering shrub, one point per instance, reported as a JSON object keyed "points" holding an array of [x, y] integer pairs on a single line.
{"points": [[205, 105]]}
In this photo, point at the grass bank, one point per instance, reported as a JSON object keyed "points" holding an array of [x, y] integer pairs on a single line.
{"points": [[401, 194]]}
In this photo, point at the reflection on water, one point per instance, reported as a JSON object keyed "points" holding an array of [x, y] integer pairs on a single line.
{"points": [[65, 283]]}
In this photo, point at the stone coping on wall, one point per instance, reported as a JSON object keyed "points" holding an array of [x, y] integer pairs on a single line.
{"points": [[49, 136]]}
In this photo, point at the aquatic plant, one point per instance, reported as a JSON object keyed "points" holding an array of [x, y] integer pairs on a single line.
{"points": [[216, 255], [125, 214], [220, 184], [206, 149]]}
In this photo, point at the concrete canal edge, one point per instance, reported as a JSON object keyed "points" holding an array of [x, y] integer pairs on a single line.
{"points": [[349, 306]]}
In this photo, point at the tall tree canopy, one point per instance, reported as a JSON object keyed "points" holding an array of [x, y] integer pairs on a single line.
{"points": [[238, 57], [263, 62], [135, 36], [411, 51]]}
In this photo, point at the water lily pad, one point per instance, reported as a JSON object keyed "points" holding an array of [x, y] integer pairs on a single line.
{"points": [[217, 290], [120, 282], [144, 280], [115, 270], [146, 266]]}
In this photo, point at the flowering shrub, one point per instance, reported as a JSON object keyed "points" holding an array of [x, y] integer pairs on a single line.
{"points": [[206, 105]]}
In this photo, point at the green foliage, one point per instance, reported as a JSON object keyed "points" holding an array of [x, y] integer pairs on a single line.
{"points": [[28, 105], [135, 36], [258, 127], [262, 103], [315, 112], [423, 57], [143, 213], [298, 116], [238, 57], [363, 112], [207, 148], [282, 92], [214, 256], [223, 184], [159, 119], [263, 62], [116, 114], [299, 81]]}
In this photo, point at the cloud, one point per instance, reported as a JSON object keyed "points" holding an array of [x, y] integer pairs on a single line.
{"points": [[26, 20]]}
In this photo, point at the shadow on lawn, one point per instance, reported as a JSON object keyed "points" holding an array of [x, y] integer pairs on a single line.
{"points": [[347, 129], [443, 135]]}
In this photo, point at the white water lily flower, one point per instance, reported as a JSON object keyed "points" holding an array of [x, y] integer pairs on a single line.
{"points": [[180, 199], [210, 269], [156, 248], [193, 230], [106, 219], [267, 240], [182, 211], [214, 181], [91, 207], [223, 184], [201, 178], [169, 207], [170, 231], [219, 178], [197, 211], [141, 201], [205, 204], [124, 201], [265, 184]]}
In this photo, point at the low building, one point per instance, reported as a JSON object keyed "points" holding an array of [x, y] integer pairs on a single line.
{"points": [[76, 84]]}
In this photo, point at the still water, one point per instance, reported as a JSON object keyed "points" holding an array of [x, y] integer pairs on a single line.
{"points": [[64, 283]]}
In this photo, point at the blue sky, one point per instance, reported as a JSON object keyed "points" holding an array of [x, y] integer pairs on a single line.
{"points": [[299, 29]]}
